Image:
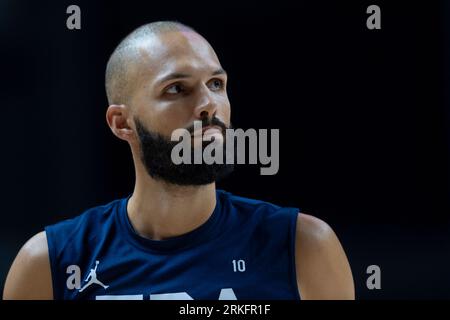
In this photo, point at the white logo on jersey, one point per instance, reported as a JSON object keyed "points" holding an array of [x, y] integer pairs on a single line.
{"points": [[92, 278], [73, 281]]}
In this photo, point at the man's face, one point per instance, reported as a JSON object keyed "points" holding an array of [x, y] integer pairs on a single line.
{"points": [[179, 81]]}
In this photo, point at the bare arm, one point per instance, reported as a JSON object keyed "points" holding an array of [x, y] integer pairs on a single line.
{"points": [[30, 276], [323, 271]]}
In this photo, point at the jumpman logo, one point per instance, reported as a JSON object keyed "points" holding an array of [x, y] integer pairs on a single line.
{"points": [[92, 278]]}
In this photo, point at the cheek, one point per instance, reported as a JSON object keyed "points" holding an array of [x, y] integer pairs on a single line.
{"points": [[161, 117], [224, 111], [171, 118]]}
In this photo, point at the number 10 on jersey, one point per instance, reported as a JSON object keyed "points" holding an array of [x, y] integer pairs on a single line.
{"points": [[239, 265]]}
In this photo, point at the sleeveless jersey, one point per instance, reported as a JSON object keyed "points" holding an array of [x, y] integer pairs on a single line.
{"points": [[244, 251]]}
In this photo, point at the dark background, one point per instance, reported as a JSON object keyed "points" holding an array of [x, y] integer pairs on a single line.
{"points": [[363, 118]]}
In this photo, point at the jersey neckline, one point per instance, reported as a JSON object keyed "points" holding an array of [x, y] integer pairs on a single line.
{"points": [[201, 234]]}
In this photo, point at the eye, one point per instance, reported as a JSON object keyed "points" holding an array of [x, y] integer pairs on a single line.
{"points": [[216, 84], [175, 89]]}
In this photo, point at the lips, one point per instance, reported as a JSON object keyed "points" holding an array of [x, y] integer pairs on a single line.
{"points": [[212, 130]]}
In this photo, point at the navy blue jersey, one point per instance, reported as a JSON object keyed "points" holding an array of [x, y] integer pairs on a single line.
{"points": [[245, 250]]}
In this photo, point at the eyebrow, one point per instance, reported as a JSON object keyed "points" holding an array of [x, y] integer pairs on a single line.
{"points": [[178, 75]]}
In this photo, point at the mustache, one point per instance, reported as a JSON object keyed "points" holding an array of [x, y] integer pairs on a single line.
{"points": [[209, 122]]}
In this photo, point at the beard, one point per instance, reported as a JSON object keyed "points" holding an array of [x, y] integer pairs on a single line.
{"points": [[156, 153]]}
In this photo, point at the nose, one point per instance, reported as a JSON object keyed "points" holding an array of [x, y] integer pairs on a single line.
{"points": [[206, 106]]}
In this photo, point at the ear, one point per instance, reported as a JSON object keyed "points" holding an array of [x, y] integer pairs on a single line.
{"points": [[117, 119]]}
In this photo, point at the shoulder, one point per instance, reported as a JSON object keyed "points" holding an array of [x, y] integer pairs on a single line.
{"points": [[251, 206], [87, 221], [29, 276], [323, 270]]}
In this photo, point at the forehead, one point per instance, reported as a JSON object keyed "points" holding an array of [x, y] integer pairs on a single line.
{"points": [[176, 51]]}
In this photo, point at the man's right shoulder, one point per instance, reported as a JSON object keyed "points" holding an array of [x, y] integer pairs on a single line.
{"points": [[29, 277], [30, 274], [90, 218]]}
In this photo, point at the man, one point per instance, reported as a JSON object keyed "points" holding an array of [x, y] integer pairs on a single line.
{"points": [[176, 236]]}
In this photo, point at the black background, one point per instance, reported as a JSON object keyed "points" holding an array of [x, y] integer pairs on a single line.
{"points": [[363, 118]]}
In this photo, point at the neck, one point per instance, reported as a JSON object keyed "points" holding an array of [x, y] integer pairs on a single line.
{"points": [[158, 210]]}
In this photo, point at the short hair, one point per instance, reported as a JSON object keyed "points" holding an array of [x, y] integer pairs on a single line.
{"points": [[117, 84]]}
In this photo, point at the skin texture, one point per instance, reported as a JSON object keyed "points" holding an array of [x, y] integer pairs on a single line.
{"points": [[29, 277], [323, 271]]}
